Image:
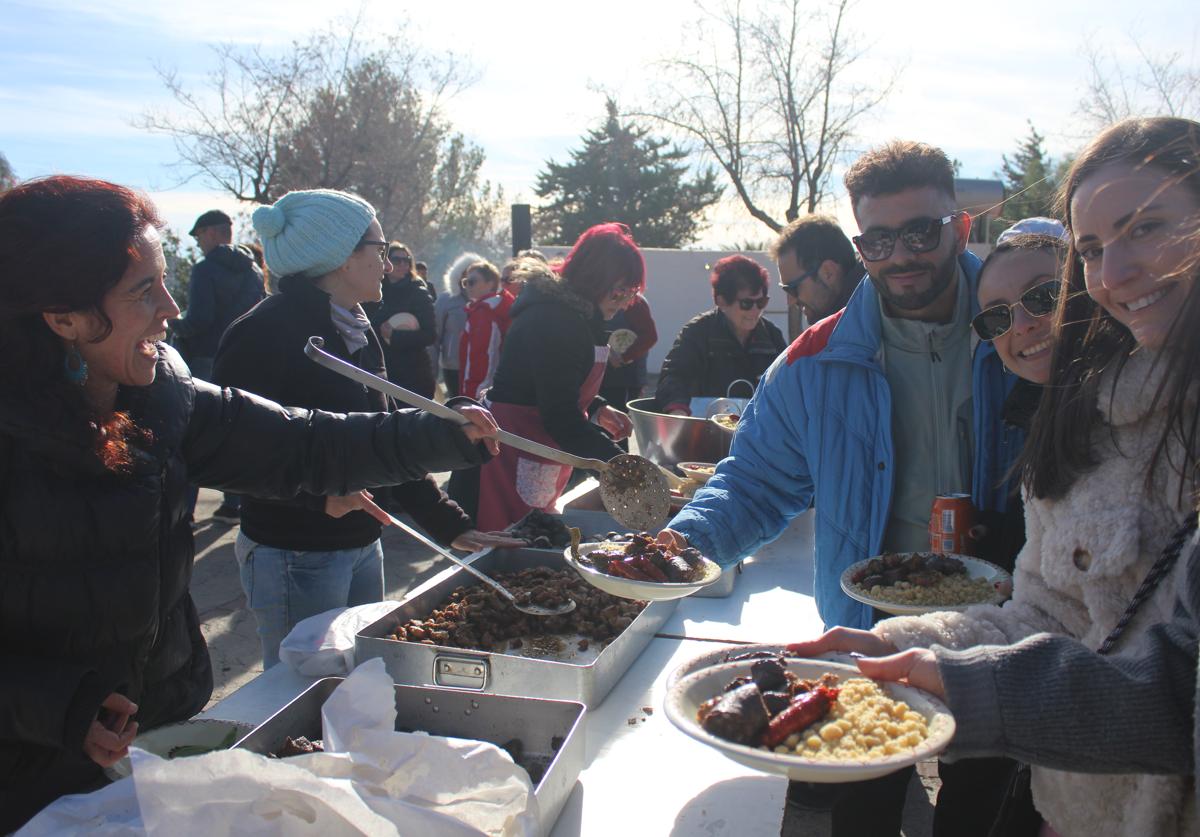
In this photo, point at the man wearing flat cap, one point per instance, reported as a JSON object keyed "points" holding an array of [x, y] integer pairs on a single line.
{"points": [[225, 284]]}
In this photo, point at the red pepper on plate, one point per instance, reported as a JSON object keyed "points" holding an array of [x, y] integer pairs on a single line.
{"points": [[804, 710]]}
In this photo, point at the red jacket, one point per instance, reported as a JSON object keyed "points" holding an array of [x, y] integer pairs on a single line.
{"points": [[479, 346]]}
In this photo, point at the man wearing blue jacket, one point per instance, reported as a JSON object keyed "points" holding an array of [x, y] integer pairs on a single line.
{"points": [[871, 413]]}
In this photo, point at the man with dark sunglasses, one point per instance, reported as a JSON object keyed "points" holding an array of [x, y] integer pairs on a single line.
{"points": [[870, 415], [818, 268]]}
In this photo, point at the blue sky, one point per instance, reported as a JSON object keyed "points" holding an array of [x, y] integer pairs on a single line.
{"points": [[75, 75]]}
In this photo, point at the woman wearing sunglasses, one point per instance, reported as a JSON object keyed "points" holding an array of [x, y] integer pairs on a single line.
{"points": [[550, 371], [728, 343], [487, 323], [1110, 470], [1018, 288]]}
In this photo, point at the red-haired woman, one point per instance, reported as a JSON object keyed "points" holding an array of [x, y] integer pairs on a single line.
{"points": [[729, 343], [102, 428], [550, 371]]}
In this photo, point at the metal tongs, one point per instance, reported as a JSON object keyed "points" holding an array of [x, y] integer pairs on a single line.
{"points": [[519, 604], [634, 490]]}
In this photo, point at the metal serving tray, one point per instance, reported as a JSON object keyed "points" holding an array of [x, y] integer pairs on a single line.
{"points": [[591, 522], [493, 718], [585, 676]]}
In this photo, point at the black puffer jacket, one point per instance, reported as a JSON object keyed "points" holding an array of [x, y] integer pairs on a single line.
{"points": [[707, 357], [222, 287], [263, 353], [406, 354], [94, 568], [548, 352]]}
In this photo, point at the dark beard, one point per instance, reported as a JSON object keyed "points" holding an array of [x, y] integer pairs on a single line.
{"points": [[943, 275]]}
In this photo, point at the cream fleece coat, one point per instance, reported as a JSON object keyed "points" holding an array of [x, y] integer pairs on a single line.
{"points": [[1084, 557]]}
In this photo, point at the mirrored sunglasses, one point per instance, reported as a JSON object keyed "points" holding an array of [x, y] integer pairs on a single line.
{"points": [[919, 236], [995, 321]]}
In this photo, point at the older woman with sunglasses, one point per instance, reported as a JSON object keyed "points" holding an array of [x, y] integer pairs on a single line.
{"points": [[729, 343]]}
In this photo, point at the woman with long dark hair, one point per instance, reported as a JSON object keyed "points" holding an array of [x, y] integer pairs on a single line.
{"points": [[1110, 467], [102, 428]]}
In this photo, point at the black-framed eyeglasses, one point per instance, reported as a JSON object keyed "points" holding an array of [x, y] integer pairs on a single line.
{"points": [[919, 236], [792, 288], [382, 245], [756, 302], [995, 321]]}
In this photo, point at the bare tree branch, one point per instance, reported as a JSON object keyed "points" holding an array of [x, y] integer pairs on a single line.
{"points": [[765, 94]]}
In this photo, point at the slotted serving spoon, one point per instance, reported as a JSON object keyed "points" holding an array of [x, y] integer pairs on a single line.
{"points": [[531, 609], [635, 491]]}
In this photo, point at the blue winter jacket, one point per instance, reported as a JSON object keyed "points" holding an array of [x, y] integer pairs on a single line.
{"points": [[818, 433]]}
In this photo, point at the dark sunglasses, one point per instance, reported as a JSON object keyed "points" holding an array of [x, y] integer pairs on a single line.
{"points": [[994, 322], [758, 302], [398, 257], [919, 236], [792, 288]]}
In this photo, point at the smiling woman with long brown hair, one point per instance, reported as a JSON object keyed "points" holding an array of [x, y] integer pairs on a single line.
{"points": [[102, 428]]}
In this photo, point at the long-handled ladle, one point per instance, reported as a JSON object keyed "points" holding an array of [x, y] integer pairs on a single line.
{"points": [[634, 490]]}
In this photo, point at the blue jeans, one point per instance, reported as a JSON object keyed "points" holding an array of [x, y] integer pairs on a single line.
{"points": [[283, 587]]}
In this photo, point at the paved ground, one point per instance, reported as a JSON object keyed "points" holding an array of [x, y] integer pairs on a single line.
{"points": [[237, 658], [229, 627]]}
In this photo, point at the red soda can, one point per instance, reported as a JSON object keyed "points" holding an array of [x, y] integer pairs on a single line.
{"points": [[950, 524]]}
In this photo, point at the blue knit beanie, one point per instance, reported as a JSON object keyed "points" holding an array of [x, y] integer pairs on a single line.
{"points": [[311, 232]]}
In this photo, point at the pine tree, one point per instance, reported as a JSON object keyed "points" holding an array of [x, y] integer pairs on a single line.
{"points": [[623, 173], [1030, 182]]}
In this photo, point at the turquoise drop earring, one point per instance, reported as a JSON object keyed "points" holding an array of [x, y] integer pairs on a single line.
{"points": [[76, 366]]}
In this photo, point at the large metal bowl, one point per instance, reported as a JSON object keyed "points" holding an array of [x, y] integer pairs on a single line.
{"points": [[668, 440]]}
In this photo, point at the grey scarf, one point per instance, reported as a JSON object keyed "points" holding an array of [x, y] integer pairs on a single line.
{"points": [[352, 324]]}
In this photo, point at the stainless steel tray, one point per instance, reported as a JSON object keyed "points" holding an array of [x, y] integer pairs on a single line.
{"points": [[585, 676], [591, 522], [493, 718]]}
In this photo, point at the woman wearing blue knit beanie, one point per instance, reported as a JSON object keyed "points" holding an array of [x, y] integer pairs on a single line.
{"points": [[314, 553]]}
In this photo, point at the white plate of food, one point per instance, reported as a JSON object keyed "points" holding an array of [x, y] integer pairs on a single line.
{"points": [[912, 583], [726, 421], [615, 567], [622, 340], [187, 738], [698, 472], [831, 723]]}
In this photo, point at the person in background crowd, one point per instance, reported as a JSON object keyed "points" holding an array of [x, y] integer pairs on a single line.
{"points": [[225, 284], [487, 323], [403, 318], [626, 373], [310, 554], [512, 285], [422, 270], [551, 366], [450, 318], [818, 268], [102, 428], [254, 249], [1110, 469], [868, 417], [729, 343]]}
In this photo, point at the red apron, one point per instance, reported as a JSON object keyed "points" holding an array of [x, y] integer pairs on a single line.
{"points": [[513, 483]]}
